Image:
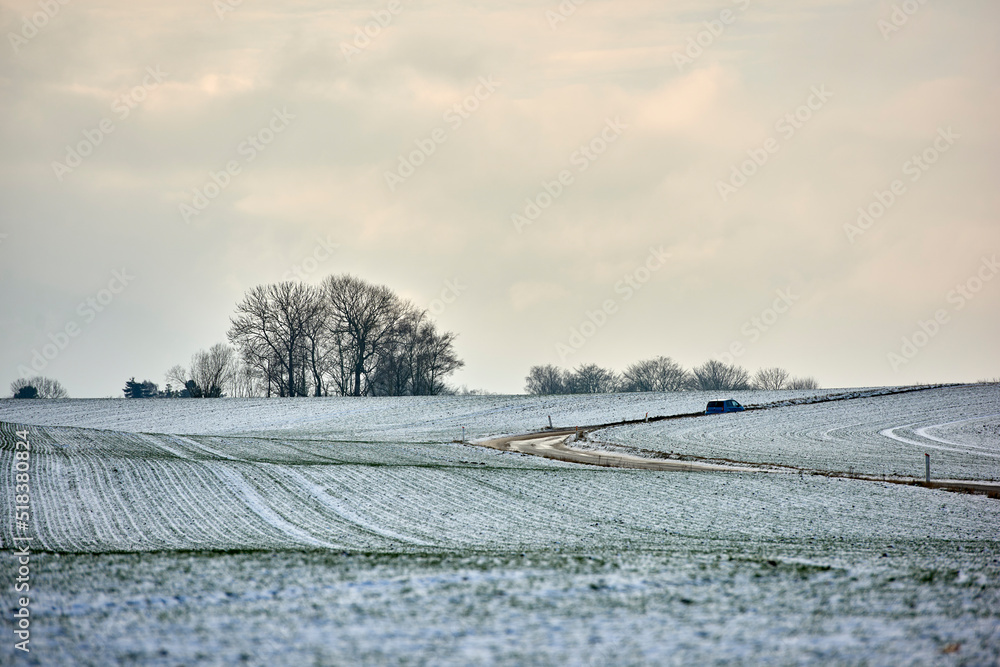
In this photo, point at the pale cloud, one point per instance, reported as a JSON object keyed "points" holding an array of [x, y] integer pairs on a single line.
{"points": [[655, 185], [528, 295]]}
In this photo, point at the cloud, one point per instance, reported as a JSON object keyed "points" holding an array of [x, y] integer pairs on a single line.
{"points": [[528, 295], [655, 185]]}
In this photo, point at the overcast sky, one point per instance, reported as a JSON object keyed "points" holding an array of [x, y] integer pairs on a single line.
{"points": [[713, 154]]}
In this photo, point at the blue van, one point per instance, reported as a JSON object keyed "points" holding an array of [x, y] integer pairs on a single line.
{"points": [[729, 405]]}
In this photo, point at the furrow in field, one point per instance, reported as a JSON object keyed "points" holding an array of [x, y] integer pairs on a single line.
{"points": [[158, 502], [526, 507], [275, 484], [229, 521], [236, 483], [212, 452], [87, 503], [68, 515], [376, 499], [118, 477], [924, 433], [514, 509], [61, 523], [343, 509], [371, 498], [449, 504], [299, 452], [435, 505], [157, 441], [94, 494], [867, 436], [180, 513]]}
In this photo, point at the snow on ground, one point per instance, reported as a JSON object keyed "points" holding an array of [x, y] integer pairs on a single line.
{"points": [[885, 435], [387, 419], [352, 532], [98, 491], [692, 603]]}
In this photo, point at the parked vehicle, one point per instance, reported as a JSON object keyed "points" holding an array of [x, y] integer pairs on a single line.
{"points": [[729, 405]]}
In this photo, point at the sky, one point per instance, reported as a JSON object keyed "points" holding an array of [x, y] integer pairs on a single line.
{"points": [[806, 184]]}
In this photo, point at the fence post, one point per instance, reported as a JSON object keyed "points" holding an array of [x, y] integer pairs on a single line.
{"points": [[550, 422], [927, 468]]}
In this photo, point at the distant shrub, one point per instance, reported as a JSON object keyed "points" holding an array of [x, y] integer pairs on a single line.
{"points": [[43, 387], [803, 383]]}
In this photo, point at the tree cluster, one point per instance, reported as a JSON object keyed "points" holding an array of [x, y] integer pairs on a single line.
{"points": [[345, 337], [211, 372], [144, 389], [37, 387], [658, 374]]}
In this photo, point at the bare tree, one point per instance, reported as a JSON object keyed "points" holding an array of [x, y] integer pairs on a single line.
{"points": [[45, 387], [545, 380], [317, 340], [416, 358], [365, 317], [771, 379], [803, 383], [245, 380], [714, 375], [659, 374], [270, 328], [211, 370], [400, 363], [437, 354], [592, 379], [340, 361], [176, 376], [347, 337]]}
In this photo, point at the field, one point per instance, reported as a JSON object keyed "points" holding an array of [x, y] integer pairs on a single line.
{"points": [[355, 531]]}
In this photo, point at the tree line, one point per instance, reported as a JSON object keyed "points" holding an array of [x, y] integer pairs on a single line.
{"points": [[659, 374], [345, 337], [37, 387]]}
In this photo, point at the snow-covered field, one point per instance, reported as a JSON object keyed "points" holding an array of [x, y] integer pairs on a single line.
{"points": [[395, 419], [886, 435], [346, 531]]}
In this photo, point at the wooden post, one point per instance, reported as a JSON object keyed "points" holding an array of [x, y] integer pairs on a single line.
{"points": [[463, 434], [550, 422], [927, 468]]}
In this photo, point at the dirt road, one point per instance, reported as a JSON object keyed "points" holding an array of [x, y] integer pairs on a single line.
{"points": [[553, 445]]}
